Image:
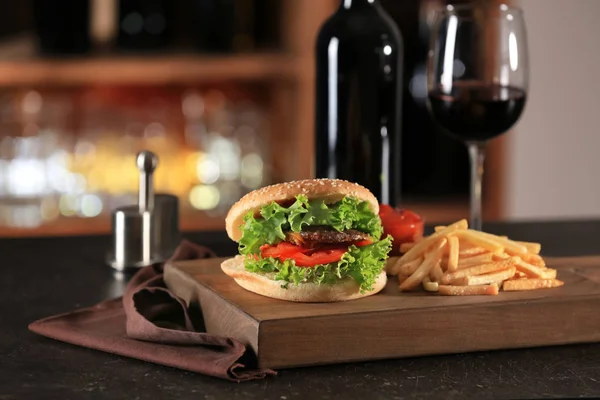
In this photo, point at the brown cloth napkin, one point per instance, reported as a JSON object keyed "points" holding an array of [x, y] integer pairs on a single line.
{"points": [[151, 324]]}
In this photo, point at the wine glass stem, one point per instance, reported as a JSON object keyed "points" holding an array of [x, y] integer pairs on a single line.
{"points": [[477, 156]]}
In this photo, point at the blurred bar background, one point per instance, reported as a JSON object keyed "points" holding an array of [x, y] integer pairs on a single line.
{"points": [[221, 90]]}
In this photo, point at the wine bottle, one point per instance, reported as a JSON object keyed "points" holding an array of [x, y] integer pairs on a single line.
{"points": [[62, 27], [145, 24], [359, 56]]}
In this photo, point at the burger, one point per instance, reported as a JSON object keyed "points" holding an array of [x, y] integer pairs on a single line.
{"points": [[314, 240]]}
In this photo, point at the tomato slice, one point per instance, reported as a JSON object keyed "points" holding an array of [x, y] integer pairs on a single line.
{"points": [[281, 249], [307, 257], [318, 257]]}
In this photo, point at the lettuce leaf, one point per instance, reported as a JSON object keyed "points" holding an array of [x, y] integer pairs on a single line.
{"points": [[363, 264], [274, 220]]}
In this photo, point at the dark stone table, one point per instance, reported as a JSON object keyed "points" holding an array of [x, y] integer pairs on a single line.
{"points": [[45, 276]]}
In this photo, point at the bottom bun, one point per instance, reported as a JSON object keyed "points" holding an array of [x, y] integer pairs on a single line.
{"points": [[345, 289]]}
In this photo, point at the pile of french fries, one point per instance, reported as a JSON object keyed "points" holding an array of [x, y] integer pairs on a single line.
{"points": [[458, 261]]}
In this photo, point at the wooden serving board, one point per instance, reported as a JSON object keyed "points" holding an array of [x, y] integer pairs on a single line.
{"points": [[392, 324]]}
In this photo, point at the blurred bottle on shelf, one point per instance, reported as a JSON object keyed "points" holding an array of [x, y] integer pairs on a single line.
{"points": [[209, 26], [213, 25], [145, 24], [103, 23], [267, 24], [244, 20], [62, 26], [223, 26]]}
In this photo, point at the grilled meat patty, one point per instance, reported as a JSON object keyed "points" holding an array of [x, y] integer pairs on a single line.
{"points": [[315, 235]]}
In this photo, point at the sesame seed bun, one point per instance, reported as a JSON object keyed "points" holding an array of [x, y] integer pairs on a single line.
{"points": [[343, 290], [329, 190]]}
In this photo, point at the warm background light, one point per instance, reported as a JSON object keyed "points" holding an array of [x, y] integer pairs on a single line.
{"points": [[80, 162]]}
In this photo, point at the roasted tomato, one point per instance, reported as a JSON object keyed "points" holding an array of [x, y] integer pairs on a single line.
{"points": [[403, 225]]}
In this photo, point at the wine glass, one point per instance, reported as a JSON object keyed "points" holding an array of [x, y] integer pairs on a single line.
{"points": [[477, 79]]}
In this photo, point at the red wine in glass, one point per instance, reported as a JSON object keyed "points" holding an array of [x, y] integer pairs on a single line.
{"points": [[472, 111], [477, 78]]}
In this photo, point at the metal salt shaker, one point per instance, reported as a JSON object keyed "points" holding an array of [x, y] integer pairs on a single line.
{"points": [[146, 233]]}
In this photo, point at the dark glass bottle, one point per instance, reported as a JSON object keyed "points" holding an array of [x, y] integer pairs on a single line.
{"points": [[62, 26], [145, 24], [359, 59]]}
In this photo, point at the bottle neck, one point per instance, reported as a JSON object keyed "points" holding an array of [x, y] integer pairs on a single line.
{"points": [[357, 4]]}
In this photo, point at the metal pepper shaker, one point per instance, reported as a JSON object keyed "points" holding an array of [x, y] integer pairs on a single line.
{"points": [[146, 233]]}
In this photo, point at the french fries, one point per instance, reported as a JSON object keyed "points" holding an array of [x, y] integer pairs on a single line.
{"points": [[453, 253], [393, 267], [429, 286], [530, 284], [529, 270], [389, 265], [549, 273], [458, 261], [490, 290], [402, 278], [480, 269], [424, 244], [410, 267], [404, 247], [471, 251], [436, 273], [423, 270], [532, 248], [486, 279], [533, 259], [475, 260], [481, 241], [509, 245]]}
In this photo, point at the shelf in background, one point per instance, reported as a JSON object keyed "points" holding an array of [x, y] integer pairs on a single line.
{"points": [[21, 66], [145, 70], [102, 226]]}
